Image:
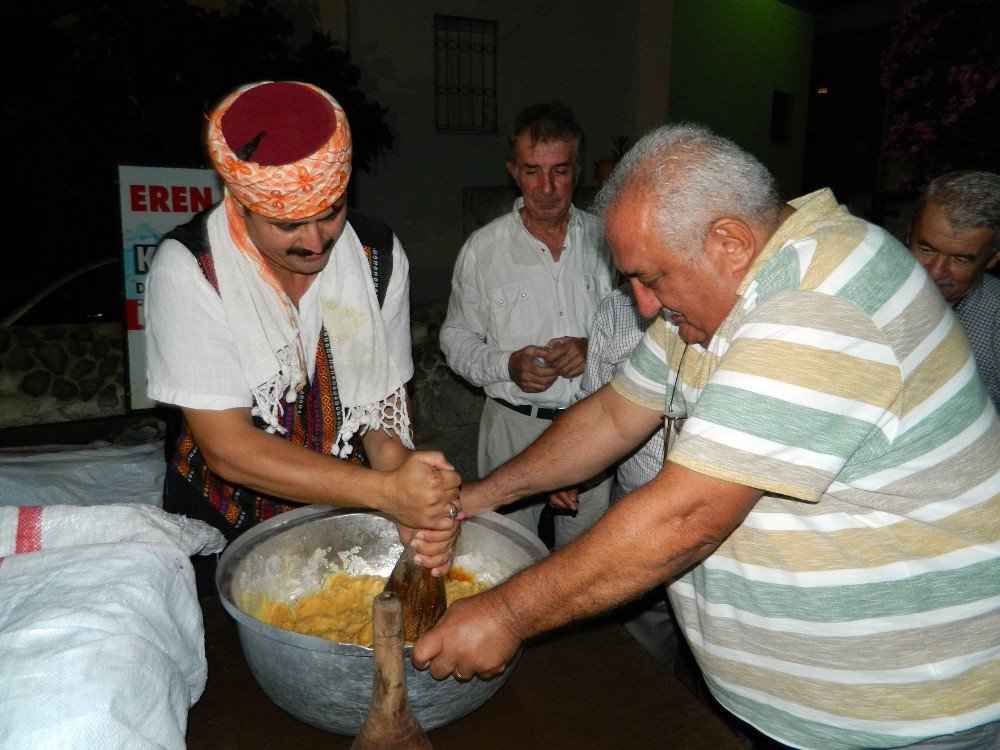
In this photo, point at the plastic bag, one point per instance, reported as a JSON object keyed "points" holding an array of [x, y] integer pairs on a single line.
{"points": [[93, 474], [101, 634]]}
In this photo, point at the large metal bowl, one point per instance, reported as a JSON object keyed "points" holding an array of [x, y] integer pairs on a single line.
{"points": [[325, 683]]}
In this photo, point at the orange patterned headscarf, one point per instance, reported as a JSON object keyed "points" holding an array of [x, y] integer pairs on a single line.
{"points": [[283, 149]]}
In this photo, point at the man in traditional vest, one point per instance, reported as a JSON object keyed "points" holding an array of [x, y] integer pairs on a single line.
{"points": [[278, 322]]}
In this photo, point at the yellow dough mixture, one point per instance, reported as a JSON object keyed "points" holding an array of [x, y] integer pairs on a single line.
{"points": [[342, 609]]}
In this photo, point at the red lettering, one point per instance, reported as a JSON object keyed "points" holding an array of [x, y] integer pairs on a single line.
{"points": [[201, 199], [178, 197], [137, 195], [134, 319], [158, 198]]}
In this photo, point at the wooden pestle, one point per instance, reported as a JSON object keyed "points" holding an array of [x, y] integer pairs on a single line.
{"points": [[390, 723], [423, 595]]}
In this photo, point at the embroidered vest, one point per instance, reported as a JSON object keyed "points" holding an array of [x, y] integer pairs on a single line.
{"points": [[190, 487]]}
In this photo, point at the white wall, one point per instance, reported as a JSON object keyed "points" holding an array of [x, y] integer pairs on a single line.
{"points": [[584, 52]]}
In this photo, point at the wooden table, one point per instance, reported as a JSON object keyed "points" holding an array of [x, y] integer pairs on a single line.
{"points": [[589, 687]]}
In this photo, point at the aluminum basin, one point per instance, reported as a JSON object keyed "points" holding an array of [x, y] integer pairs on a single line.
{"points": [[325, 683]]}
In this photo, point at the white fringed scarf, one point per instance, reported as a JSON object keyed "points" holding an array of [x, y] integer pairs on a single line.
{"points": [[270, 346]]}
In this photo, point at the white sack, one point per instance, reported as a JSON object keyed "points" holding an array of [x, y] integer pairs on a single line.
{"points": [[101, 639], [69, 525], [92, 474]]}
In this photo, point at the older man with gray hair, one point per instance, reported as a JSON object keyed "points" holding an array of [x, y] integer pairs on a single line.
{"points": [[827, 516], [955, 235]]}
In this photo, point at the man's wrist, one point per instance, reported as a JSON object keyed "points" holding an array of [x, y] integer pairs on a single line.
{"points": [[380, 487], [510, 367], [511, 609]]}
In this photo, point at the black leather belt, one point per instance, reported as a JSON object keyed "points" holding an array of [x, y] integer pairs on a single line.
{"points": [[542, 412]]}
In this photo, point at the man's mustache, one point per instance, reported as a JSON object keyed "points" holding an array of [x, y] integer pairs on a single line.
{"points": [[303, 253]]}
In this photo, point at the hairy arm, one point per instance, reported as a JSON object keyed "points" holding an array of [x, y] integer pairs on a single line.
{"points": [[590, 436], [650, 536]]}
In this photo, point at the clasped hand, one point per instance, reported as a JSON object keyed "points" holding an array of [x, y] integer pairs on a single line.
{"points": [[422, 491], [535, 368]]}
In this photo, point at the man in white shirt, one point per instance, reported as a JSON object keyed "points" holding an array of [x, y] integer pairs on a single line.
{"points": [[278, 323], [524, 292]]}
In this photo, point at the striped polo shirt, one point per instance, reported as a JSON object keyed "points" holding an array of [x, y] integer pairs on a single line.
{"points": [[858, 605]]}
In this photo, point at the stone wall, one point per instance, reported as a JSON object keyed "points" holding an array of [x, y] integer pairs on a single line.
{"points": [[445, 408], [61, 373]]}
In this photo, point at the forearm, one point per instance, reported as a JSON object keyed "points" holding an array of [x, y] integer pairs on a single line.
{"points": [[383, 448], [592, 435], [385, 451], [244, 455], [647, 538], [471, 358]]}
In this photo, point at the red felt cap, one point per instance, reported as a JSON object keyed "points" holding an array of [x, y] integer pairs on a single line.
{"points": [[278, 123]]}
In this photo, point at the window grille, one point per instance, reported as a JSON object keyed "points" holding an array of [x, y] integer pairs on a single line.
{"points": [[465, 53]]}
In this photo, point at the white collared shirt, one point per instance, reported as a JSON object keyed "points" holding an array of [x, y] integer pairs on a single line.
{"points": [[507, 293]]}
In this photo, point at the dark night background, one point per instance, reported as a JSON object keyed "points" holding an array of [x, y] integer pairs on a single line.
{"points": [[97, 84]]}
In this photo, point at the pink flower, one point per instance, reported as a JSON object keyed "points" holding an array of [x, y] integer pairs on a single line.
{"points": [[940, 76], [924, 130]]}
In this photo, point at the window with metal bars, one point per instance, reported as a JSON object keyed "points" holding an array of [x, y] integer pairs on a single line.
{"points": [[465, 53]]}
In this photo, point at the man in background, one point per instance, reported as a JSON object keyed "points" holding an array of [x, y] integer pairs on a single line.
{"points": [[955, 235], [523, 296]]}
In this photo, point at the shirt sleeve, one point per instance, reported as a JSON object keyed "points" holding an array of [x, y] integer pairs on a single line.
{"points": [[191, 358], [644, 377], [804, 394], [601, 363], [463, 333]]}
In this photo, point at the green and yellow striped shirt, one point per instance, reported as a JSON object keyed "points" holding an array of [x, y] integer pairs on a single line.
{"points": [[858, 605]]}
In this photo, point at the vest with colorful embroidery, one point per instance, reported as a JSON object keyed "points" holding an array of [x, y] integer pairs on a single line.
{"points": [[190, 487]]}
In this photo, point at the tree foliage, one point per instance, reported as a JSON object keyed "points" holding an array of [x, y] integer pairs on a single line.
{"points": [[95, 84], [942, 73]]}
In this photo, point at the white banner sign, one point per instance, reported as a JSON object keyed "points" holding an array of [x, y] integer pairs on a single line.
{"points": [[153, 201]]}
